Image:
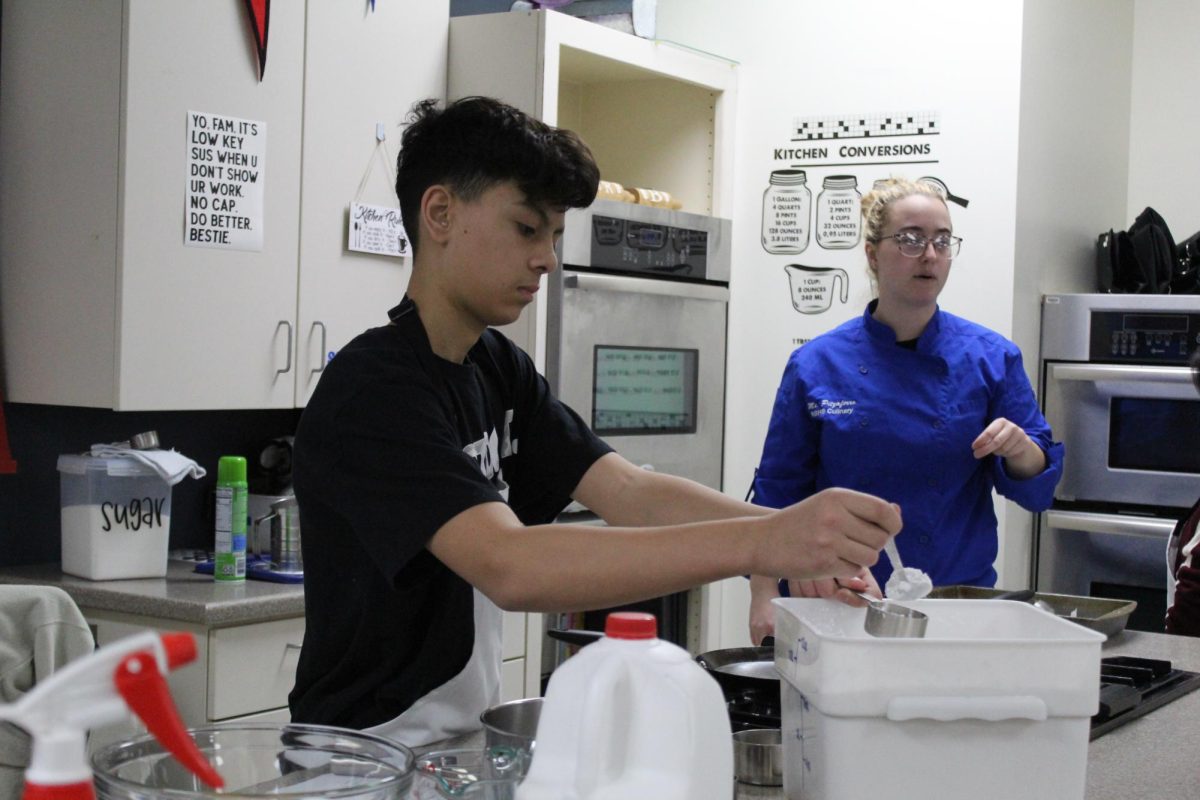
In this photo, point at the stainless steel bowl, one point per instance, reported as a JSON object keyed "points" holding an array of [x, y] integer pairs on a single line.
{"points": [[512, 724], [758, 756]]}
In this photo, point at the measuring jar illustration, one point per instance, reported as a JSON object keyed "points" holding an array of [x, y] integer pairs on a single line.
{"points": [[812, 287], [787, 203], [838, 213]]}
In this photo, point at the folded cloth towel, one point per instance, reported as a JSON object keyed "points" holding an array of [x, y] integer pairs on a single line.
{"points": [[172, 465]]}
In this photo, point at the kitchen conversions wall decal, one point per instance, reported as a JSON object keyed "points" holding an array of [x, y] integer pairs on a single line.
{"points": [[813, 288], [226, 170], [814, 194]]}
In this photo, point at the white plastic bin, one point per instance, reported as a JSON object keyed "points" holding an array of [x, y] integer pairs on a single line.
{"points": [[116, 518], [993, 703]]}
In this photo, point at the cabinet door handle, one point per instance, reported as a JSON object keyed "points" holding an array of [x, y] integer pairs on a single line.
{"points": [[320, 369], [287, 367]]}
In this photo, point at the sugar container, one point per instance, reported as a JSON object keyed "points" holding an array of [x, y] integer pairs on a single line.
{"points": [[116, 518]]}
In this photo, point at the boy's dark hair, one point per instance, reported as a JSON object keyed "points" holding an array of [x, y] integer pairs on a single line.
{"points": [[477, 142]]}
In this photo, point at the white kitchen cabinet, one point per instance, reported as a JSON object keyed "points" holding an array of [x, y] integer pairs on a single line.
{"points": [[361, 68], [241, 672], [103, 304], [521, 654]]}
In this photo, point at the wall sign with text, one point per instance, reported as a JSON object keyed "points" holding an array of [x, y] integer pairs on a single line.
{"points": [[812, 201], [226, 171], [377, 229]]}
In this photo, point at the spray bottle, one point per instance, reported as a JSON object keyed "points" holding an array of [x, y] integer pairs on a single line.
{"points": [[229, 562], [103, 688]]}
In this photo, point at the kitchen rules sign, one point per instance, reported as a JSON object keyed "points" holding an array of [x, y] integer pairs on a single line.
{"points": [[226, 169]]}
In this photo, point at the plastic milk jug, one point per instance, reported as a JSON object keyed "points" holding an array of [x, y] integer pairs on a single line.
{"points": [[631, 716]]}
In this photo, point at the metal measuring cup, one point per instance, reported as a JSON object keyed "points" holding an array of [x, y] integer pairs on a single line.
{"points": [[888, 619]]}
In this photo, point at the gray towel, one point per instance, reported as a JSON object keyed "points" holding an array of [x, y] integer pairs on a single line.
{"points": [[41, 630]]}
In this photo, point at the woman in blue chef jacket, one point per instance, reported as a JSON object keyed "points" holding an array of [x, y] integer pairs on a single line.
{"points": [[910, 403]]}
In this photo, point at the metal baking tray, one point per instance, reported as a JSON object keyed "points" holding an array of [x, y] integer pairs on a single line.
{"points": [[1097, 613]]}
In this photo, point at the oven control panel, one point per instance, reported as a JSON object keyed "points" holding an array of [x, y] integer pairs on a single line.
{"points": [[1166, 338], [643, 247]]}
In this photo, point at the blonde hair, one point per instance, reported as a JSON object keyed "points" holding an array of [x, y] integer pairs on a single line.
{"points": [[876, 203]]}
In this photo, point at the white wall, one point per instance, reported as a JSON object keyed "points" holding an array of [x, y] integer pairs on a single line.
{"points": [[1164, 167], [1076, 58], [812, 58]]}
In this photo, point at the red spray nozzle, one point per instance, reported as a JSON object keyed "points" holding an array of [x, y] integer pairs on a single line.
{"points": [[70, 791], [180, 649], [145, 691]]}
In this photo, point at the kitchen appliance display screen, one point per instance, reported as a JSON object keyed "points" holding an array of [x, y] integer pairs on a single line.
{"points": [[644, 390], [1157, 435]]}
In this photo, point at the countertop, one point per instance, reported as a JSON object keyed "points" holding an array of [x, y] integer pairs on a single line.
{"points": [[183, 595], [1152, 756]]}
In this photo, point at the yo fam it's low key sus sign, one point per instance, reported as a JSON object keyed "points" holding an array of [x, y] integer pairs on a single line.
{"points": [[226, 170]]}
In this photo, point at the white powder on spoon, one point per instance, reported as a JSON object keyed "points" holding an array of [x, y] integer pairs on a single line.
{"points": [[905, 583], [908, 583]]}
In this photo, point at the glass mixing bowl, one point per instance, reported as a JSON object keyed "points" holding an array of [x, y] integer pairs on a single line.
{"points": [[260, 761]]}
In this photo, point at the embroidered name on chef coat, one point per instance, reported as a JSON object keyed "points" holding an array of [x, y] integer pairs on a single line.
{"points": [[822, 408]]}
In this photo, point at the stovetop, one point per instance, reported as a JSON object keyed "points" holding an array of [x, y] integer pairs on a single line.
{"points": [[1129, 688]]}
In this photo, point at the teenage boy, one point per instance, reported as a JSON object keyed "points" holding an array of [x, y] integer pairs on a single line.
{"points": [[432, 459]]}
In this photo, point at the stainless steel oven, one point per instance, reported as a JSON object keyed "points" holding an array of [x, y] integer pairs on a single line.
{"points": [[635, 343], [1118, 393], [636, 333]]}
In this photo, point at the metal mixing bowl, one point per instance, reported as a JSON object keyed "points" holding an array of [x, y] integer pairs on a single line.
{"points": [[758, 756], [512, 724]]}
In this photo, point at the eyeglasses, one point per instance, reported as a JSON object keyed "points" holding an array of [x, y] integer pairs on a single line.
{"points": [[913, 244]]}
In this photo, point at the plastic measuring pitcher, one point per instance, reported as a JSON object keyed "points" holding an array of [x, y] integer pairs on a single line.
{"points": [[631, 716]]}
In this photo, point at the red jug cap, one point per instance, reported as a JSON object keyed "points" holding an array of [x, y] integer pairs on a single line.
{"points": [[631, 625]]}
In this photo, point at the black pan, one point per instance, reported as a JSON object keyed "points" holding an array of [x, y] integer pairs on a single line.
{"points": [[744, 669]]}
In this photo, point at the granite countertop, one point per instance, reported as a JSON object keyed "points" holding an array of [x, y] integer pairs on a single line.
{"points": [[183, 595]]}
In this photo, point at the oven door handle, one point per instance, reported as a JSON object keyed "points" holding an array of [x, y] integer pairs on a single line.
{"points": [[617, 283], [1095, 373], [1142, 527]]}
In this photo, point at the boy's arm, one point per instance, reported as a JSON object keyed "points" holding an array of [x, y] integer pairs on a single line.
{"points": [[625, 494], [577, 567]]}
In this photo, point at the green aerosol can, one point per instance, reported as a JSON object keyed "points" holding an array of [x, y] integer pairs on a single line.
{"points": [[229, 562]]}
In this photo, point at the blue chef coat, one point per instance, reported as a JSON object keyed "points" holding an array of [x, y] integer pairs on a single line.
{"points": [[857, 411]]}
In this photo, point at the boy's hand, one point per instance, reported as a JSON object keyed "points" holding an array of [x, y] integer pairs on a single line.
{"points": [[833, 534]]}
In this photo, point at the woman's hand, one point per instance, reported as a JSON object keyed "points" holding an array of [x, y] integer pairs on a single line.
{"points": [[843, 589], [1023, 458], [762, 613]]}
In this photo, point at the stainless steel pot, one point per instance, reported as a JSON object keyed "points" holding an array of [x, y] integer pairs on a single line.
{"points": [[758, 756], [284, 540], [512, 724]]}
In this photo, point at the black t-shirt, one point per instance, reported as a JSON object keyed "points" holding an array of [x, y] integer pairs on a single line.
{"points": [[394, 443]]}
